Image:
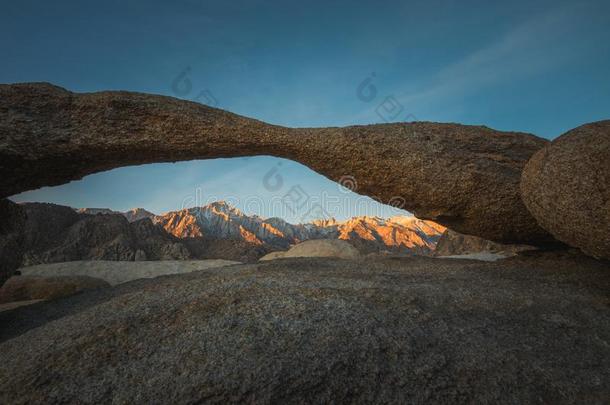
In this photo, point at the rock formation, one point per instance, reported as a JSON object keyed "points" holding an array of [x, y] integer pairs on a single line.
{"points": [[463, 177], [118, 272], [25, 288], [318, 248], [408, 331], [454, 243], [566, 186]]}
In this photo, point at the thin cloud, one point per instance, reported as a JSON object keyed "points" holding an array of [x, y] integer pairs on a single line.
{"points": [[531, 48]]}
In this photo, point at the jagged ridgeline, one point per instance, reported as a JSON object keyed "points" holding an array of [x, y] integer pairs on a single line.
{"points": [[218, 230]]}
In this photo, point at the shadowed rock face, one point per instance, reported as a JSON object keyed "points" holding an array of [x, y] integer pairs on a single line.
{"points": [[566, 186], [12, 223], [463, 177], [35, 233], [453, 243], [54, 233], [24, 288]]}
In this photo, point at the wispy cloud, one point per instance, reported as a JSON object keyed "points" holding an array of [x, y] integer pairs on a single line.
{"points": [[531, 48]]}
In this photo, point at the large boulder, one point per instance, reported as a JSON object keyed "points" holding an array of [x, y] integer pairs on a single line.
{"points": [[25, 288], [318, 248], [463, 177], [566, 186], [409, 331]]}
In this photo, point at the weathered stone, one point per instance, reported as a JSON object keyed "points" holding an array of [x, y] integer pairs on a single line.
{"points": [[318, 248], [454, 243], [118, 272], [409, 331], [464, 177], [23, 288], [566, 186]]}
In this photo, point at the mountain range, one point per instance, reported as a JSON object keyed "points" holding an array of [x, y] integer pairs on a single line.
{"points": [[220, 221]]}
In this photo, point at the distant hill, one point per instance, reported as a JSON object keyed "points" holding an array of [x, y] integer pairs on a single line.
{"points": [[132, 215]]}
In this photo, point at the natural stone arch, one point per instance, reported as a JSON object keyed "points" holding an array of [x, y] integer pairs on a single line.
{"points": [[463, 177]]}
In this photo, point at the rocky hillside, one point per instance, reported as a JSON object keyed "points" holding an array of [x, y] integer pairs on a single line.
{"points": [[220, 220], [202, 226], [54, 233], [132, 215], [399, 234], [454, 243]]}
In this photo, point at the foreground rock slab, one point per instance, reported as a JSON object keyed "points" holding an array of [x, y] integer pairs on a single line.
{"points": [[24, 288], [117, 272], [419, 330], [566, 186], [463, 177]]}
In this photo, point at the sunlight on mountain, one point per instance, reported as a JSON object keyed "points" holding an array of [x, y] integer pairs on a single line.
{"points": [[258, 185]]}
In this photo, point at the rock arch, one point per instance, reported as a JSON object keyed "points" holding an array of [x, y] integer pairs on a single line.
{"points": [[463, 177]]}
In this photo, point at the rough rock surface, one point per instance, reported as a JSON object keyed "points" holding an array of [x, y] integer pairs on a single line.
{"points": [[23, 288], [454, 243], [417, 330], [463, 177], [318, 248], [12, 222], [115, 272], [566, 186]]}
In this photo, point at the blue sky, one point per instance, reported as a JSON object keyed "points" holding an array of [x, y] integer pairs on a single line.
{"points": [[534, 66]]}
